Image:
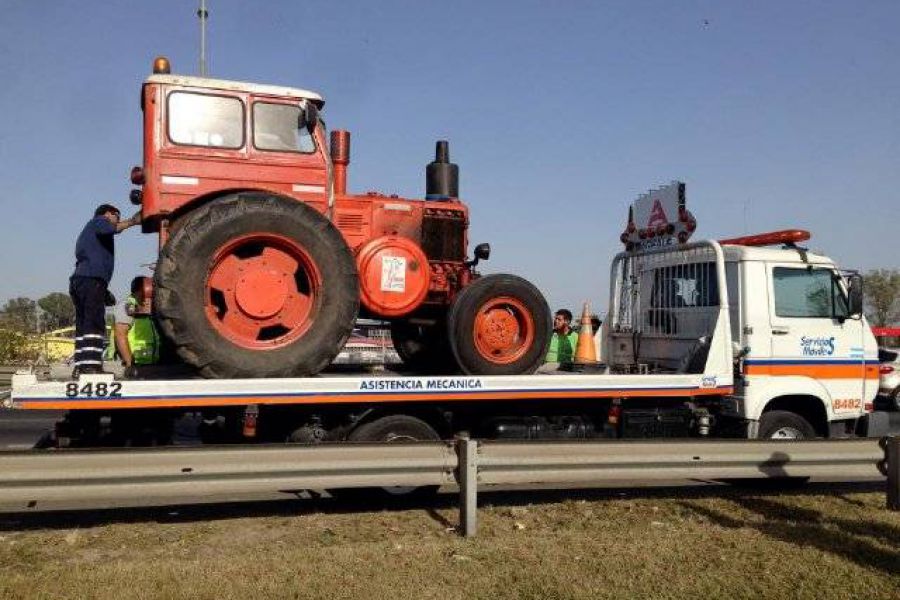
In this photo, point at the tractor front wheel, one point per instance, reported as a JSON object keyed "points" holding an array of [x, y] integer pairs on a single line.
{"points": [[499, 325]]}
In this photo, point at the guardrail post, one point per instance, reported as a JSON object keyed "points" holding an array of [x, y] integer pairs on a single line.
{"points": [[467, 478], [891, 468]]}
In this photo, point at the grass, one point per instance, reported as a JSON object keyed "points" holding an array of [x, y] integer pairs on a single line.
{"points": [[817, 543]]}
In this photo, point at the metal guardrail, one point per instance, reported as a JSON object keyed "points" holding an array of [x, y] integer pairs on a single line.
{"points": [[890, 467], [488, 463], [77, 478], [566, 462], [7, 371], [32, 479]]}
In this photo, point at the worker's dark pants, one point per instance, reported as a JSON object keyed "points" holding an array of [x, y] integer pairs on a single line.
{"points": [[89, 296]]}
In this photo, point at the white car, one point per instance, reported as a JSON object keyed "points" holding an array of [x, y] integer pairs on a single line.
{"points": [[889, 383]]}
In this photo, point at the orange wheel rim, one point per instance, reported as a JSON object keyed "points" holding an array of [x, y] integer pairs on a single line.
{"points": [[262, 291], [503, 330]]}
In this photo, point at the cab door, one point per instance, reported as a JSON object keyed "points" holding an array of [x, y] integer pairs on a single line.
{"points": [[812, 335]]}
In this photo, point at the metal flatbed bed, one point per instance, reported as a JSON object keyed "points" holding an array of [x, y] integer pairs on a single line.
{"points": [[106, 392]]}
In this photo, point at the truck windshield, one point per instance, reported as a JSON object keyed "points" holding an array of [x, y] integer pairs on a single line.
{"points": [[808, 293], [275, 128], [206, 120]]}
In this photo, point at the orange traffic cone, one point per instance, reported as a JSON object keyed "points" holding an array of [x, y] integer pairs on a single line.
{"points": [[586, 350]]}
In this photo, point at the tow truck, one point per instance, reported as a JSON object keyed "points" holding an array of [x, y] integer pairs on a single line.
{"points": [[751, 337]]}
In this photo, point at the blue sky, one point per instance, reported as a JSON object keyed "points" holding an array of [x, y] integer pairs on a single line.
{"points": [[776, 114]]}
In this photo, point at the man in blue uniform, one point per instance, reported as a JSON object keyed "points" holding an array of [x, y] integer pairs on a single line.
{"points": [[94, 261]]}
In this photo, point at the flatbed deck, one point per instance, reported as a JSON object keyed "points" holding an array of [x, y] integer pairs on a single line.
{"points": [[106, 392]]}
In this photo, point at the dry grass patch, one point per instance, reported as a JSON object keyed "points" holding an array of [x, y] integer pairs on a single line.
{"points": [[573, 545]]}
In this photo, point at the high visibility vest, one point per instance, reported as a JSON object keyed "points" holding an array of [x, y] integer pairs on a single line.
{"points": [[143, 340], [562, 347]]}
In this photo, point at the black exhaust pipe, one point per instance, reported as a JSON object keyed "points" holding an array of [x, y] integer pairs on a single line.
{"points": [[441, 176]]}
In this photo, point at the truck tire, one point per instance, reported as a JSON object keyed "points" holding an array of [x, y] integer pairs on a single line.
{"points": [[499, 325], [784, 425], [423, 349], [395, 429], [256, 285]]}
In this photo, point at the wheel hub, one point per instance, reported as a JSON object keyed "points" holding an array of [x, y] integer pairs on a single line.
{"points": [[786, 433], [504, 330], [261, 294], [500, 330], [262, 291]]}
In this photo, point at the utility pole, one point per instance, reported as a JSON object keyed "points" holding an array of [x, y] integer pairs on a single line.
{"points": [[203, 15]]}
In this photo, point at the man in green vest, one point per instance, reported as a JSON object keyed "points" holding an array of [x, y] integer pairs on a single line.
{"points": [[137, 340], [563, 340]]}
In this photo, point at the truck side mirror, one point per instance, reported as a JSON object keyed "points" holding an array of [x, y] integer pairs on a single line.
{"points": [[855, 295], [309, 117], [482, 252]]}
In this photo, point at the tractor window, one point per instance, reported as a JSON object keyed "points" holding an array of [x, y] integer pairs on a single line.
{"points": [[275, 128], [809, 293], [206, 120]]}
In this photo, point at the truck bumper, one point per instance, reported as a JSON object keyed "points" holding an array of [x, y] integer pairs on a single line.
{"points": [[874, 424]]}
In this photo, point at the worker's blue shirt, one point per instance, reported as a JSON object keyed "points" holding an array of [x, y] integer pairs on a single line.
{"points": [[95, 250]]}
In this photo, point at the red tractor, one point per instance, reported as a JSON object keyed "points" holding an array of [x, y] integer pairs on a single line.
{"points": [[266, 261]]}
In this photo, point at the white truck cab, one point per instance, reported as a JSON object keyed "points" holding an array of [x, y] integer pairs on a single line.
{"points": [[785, 321], [807, 353]]}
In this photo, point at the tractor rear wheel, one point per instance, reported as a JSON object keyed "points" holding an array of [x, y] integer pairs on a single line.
{"points": [[256, 285], [499, 325]]}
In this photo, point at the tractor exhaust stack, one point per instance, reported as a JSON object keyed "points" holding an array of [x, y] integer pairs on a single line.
{"points": [[340, 158], [441, 176]]}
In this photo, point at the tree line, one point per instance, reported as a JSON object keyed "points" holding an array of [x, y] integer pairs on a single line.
{"points": [[22, 320], [24, 315]]}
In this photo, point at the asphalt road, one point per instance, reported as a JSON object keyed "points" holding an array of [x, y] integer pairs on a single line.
{"points": [[21, 429]]}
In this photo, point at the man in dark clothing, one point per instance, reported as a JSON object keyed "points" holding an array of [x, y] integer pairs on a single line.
{"points": [[94, 261]]}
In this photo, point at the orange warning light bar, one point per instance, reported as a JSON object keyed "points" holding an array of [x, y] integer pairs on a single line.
{"points": [[772, 238]]}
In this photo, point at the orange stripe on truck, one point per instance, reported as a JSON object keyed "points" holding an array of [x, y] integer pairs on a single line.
{"points": [[815, 371]]}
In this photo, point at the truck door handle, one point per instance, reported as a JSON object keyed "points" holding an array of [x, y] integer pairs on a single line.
{"points": [[780, 330]]}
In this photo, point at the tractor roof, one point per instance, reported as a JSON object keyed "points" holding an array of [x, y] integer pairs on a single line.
{"points": [[237, 86]]}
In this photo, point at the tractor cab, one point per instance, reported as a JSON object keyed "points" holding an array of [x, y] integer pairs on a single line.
{"points": [[202, 136]]}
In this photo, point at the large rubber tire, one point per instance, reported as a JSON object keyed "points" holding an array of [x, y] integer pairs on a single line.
{"points": [[424, 349], [499, 325], [182, 292], [394, 429], [784, 425]]}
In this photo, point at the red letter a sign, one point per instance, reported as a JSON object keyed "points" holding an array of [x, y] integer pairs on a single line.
{"points": [[657, 215]]}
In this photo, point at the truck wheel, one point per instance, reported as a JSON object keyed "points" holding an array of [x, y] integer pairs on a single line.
{"points": [[396, 429], [255, 285], [422, 348], [784, 425], [499, 325]]}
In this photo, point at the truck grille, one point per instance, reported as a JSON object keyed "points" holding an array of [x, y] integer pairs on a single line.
{"points": [[444, 235]]}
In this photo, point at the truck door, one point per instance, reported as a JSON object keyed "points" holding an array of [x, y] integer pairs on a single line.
{"points": [[812, 335]]}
